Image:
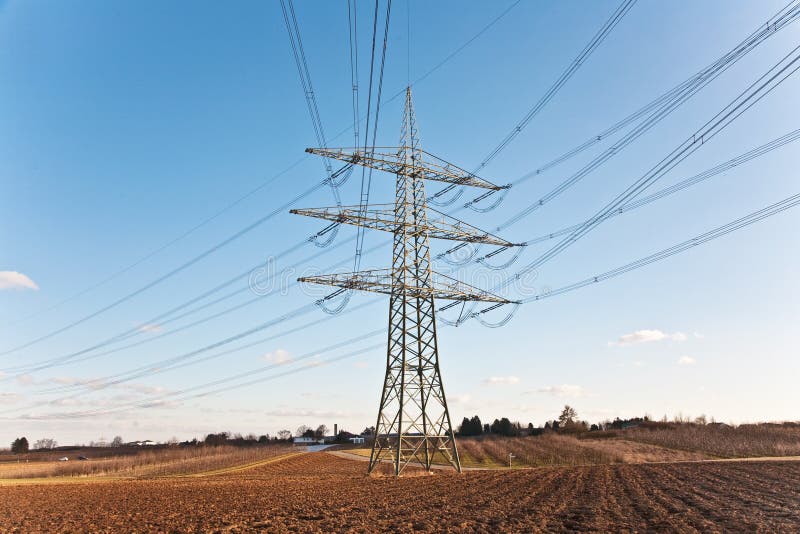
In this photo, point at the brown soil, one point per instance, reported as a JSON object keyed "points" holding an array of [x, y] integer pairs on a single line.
{"points": [[321, 492]]}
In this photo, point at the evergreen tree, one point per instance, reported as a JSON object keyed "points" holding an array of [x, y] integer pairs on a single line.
{"points": [[476, 426], [496, 426], [20, 445], [465, 429]]}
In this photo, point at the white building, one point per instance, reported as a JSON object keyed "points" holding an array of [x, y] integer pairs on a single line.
{"points": [[307, 441]]}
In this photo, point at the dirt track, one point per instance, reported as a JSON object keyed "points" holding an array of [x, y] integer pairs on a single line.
{"points": [[321, 492]]}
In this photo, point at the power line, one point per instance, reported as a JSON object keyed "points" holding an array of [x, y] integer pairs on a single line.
{"points": [[751, 104], [174, 271], [236, 202], [366, 177], [662, 106], [137, 330], [455, 52], [93, 383], [763, 149], [173, 364], [163, 247], [299, 54], [669, 95], [248, 374], [629, 206], [573, 67], [717, 232], [765, 84], [683, 184], [352, 27], [658, 110], [720, 231], [679, 186], [74, 357], [146, 369], [738, 160]]}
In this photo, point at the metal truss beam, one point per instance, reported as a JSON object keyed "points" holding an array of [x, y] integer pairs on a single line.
{"points": [[382, 218], [385, 281], [386, 159]]}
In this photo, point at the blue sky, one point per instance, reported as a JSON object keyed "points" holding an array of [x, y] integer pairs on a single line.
{"points": [[125, 124]]}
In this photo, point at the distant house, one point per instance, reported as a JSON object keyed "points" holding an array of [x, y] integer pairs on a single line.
{"points": [[307, 441], [145, 443], [357, 440]]}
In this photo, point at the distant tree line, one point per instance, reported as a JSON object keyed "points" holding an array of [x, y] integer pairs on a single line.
{"points": [[304, 431], [567, 422], [236, 440], [502, 427]]}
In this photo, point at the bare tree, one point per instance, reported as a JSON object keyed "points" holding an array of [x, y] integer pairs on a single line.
{"points": [[700, 420], [117, 441], [321, 431], [284, 435], [301, 430], [45, 443], [568, 416]]}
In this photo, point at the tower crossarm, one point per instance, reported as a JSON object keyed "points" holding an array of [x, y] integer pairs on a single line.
{"points": [[383, 281], [386, 159], [382, 217]]}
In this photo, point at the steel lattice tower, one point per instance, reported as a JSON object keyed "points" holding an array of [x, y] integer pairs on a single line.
{"points": [[413, 423]]}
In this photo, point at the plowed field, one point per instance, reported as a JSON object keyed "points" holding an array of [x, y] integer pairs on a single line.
{"points": [[321, 492]]}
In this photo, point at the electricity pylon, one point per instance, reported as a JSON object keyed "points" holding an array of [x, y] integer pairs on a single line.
{"points": [[413, 420]]}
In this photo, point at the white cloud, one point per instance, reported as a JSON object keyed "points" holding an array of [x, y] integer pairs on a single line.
{"points": [[497, 380], [15, 280], [144, 389], [92, 383], [698, 335], [321, 414], [316, 362], [361, 365], [66, 402], [564, 390], [278, 357], [9, 398], [686, 360], [25, 380], [459, 399], [646, 336], [100, 383], [162, 403], [151, 328], [70, 380], [311, 395]]}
